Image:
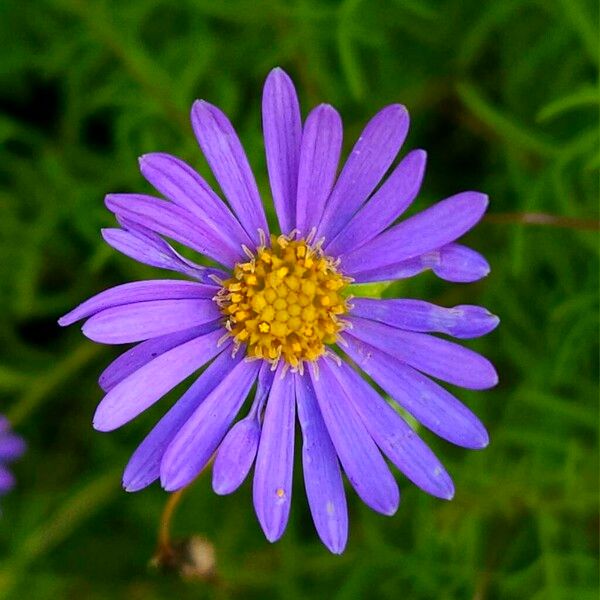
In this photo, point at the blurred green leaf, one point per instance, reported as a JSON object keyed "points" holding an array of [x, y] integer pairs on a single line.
{"points": [[499, 94]]}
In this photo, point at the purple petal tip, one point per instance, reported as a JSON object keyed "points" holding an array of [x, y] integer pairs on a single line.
{"points": [[170, 486], [391, 510], [171, 482], [276, 71], [102, 421], [483, 199], [131, 487]]}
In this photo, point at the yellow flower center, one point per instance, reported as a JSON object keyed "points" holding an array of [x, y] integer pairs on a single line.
{"points": [[284, 303]]}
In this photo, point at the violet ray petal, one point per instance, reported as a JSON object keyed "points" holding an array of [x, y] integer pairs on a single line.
{"points": [[319, 157], [384, 207], [459, 264], [464, 321], [425, 400], [395, 437], [136, 357], [272, 487], [368, 162], [177, 223], [434, 356], [7, 480], [138, 291], [322, 475], [134, 395], [227, 159], [282, 129], [144, 251], [366, 469], [428, 230], [11, 447], [199, 437], [143, 320], [265, 380], [238, 449], [235, 456], [452, 262], [155, 242], [181, 184], [144, 466], [402, 270]]}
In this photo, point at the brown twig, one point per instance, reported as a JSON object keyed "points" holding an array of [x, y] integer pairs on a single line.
{"points": [[164, 550], [192, 557], [543, 219]]}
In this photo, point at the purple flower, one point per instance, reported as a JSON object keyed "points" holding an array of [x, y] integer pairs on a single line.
{"points": [[274, 314], [11, 447]]}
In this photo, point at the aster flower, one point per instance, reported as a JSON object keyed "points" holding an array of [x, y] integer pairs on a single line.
{"points": [[11, 447], [275, 315]]}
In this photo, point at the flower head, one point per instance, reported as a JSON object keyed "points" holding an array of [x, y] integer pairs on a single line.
{"points": [[275, 314], [11, 447]]}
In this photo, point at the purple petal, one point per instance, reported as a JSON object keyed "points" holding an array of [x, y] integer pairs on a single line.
{"points": [[272, 488], [395, 437], [368, 162], [265, 380], [151, 382], [431, 355], [235, 456], [227, 159], [322, 475], [319, 158], [425, 400], [463, 321], [365, 467], [177, 223], [238, 448], [136, 357], [282, 127], [150, 249], [143, 320], [459, 264], [401, 270], [384, 207], [144, 466], [196, 441], [11, 447], [452, 262], [178, 182], [7, 480], [147, 234], [138, 291], [426, 231]]}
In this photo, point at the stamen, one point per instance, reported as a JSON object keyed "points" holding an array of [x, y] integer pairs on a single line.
{"points": [[223, 339], [336, 359], [315, 369], [262, 237], [342, 342], [284, 303], [216, 279], [311, 235]]}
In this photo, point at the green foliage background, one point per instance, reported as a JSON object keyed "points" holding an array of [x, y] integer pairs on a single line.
{"points": [[504, 97]]}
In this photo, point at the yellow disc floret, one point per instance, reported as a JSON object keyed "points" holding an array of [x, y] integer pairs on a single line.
{"points": [[285, 302]]}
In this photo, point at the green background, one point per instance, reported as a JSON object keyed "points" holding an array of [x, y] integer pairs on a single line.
{"points": [[504, 97]]}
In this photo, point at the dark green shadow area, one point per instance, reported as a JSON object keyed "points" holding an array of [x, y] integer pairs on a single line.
{"points": [[504, 97]]}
